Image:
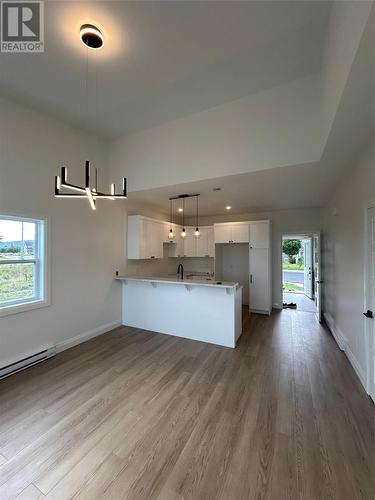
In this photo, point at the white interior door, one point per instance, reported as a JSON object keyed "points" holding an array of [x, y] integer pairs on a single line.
{"points": [[318, 282], [370, 302], [308, 270]]}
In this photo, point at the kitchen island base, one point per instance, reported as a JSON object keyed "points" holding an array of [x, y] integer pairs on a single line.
{"points": [[198, 311]]}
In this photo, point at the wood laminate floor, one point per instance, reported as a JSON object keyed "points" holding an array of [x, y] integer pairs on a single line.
{"points": [[138, 415]]}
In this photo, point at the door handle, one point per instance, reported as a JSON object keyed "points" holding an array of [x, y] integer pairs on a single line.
{"points": [[369, 314], [319, 282]]}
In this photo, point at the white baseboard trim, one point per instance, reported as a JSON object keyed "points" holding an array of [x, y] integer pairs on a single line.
{"points": [[336, 332], [355, 365], [66, 344], [344, 346], [276, 305]]}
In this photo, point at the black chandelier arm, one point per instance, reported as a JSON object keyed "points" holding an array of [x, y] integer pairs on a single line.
{"points": [[86, 192]]}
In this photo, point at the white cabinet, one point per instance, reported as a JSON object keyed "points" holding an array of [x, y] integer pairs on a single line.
{"points": [[145, 238], [222, 233], [205, 243], [176, 246], [259, 234], [190, 247], [232, 232], [260, 289]]}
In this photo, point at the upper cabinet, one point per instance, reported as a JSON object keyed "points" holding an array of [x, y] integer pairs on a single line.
{"points": [[199, 247], [259, 234], [232, 232], [205, 243], [176, 246], [145, 238]]}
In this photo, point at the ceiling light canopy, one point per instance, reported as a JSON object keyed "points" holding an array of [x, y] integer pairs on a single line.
{"points": [[91, 36]]}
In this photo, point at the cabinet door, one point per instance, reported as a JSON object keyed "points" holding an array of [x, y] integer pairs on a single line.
{"points": [[190, 247], [240, 233], [202, 243], [259, 291], [154, 240], [210, 242], [260, 234], [223, 233]]}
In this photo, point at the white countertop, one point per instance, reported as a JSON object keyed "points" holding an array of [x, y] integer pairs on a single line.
{"points": [[176, 281]]}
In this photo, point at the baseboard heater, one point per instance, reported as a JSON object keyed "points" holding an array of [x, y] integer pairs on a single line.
{"points": [[26, 362]]}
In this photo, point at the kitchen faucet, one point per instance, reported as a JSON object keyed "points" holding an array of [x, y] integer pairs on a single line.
{"points": [[180, 266]]}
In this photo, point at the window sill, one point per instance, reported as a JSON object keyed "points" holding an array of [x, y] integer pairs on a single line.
{"points": [[25, 306]]}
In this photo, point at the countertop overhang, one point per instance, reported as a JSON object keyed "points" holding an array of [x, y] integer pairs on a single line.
{"points": [[175, 281]]}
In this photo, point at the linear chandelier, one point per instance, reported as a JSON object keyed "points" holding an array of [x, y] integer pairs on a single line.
{"points": [[183, 198], [90, 193]]}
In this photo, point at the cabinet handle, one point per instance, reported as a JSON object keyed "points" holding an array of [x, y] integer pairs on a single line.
{"points": [[251, 278], [152, 256]]}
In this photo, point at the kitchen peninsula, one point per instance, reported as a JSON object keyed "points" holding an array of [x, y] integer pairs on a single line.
{"points": [[208, 311]]}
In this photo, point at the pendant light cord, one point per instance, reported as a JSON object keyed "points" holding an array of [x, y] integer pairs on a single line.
{"points": [[197, 212]]}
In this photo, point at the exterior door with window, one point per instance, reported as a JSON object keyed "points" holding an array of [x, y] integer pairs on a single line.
{"points": [[308, 270], [370, 302]]}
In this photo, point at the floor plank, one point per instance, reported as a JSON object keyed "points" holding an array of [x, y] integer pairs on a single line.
{"points": [[138, 415]]}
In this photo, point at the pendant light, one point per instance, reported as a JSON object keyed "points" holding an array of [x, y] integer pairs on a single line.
{"points": [[183, 232], [93, 39], [197, 233], [171, 235]]}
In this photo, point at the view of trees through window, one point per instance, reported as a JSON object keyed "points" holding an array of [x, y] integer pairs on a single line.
{"points": [[17, 260]]}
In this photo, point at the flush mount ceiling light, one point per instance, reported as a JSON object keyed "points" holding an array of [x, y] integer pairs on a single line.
{"points": [[86, 191], [91, 36]]}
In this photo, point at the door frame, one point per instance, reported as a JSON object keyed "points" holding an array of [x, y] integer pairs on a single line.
{"points": [[366, 283], [309, 233]]}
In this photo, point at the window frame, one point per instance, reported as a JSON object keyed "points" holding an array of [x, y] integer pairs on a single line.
{"points": [[41, 262]]}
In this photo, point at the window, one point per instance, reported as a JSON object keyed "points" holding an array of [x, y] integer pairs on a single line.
{"points": [[22, 264]]}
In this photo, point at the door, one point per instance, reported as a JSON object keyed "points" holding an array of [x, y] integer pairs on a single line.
{"points": [[260, 234], [307, 269], [223, 233], [240, 233], [370, 302], [190, 248], [259, 280], [318, 282]]}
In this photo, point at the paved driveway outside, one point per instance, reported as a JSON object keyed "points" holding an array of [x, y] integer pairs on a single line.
{"points": [[293, 276]]}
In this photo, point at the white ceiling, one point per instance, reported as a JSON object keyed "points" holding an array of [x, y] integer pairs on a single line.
{"points": [[163, 60], [299, 186], [276, 189]]}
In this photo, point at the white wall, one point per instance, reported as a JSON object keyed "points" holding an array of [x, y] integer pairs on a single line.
{"points": [[283, 221], [265, 130], [85, 245], [344, 258]]}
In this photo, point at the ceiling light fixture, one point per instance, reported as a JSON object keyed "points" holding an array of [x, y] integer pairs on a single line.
{"points": [[92, 194], [91, 36], [170, 234], [182, 209], [228, 207], [183, 232], [197, 234]]}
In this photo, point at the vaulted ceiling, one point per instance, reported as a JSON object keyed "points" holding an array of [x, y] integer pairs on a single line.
{"points": [[163, 60]]}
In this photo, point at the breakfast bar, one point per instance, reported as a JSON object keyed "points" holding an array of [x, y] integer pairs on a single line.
{"points": [[208, 311]]}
